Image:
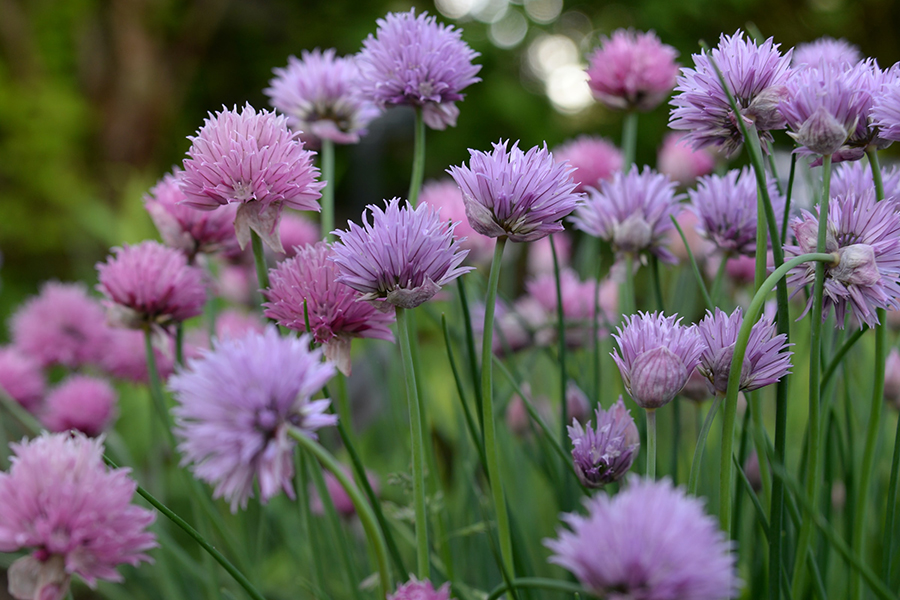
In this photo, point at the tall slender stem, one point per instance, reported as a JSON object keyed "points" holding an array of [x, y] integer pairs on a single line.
{"points": [[156, 391], [694, 481], [627, 304], [418, 168], [890, 513], [259, 258], [629, 139], [651, 443], [328, 190], [561, 334]]}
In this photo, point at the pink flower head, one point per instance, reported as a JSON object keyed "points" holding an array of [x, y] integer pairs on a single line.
{"points": [[253, 159], [444, 195], [826, 50], [320, 95], [306, 287], [402, 257], [420, 590], [632, 70], [595, 159], [339, 498], [125, 356], [523, 196], [414, 60], [150, 285], [60, 499], [236, 405], [62, 325], [21, 378], [681, 163], [605, 453], [186, 228], [648, 542], [83, 403], [234, 323], [297, 231]]}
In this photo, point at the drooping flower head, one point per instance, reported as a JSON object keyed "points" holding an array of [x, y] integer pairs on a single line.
{"points": [[757, 76], [253, 159], [62, 325], [826, 50], [521, 195], [631, 212], [306, 287], [186, 228], [766, 360], [444, 195], [632, 70], [726, 207], [681, 163], [236, 404], [80, 402], [420, 590], [414, 60], [401, 258], [864, 236], [605, 453], [886, 111], [648, 542], [657, 357], [21, 378], [320, 95], [150, 285], [60, 500], [595, 159]]}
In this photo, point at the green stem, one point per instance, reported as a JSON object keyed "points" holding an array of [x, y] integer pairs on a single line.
{"points": [[561, 340], [328, 191], [595, 332], [418, 446], [156, 391], [179, 344], [787, 205], [316, 573], [694, 480], [697, 275], [25, 418], [259, 258], [418, 168], [538, 583], [651, 443], [717, 282], [839, 356], [657, 284], [629, 139], [890, 513], [470, 352], [627, 301], [762, 241], [474, 432]]}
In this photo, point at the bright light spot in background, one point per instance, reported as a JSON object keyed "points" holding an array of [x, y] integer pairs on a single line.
{"points": [[510, 30], [543, 11], [489, 11], [550, 52], [568, 89], [454, 9]]}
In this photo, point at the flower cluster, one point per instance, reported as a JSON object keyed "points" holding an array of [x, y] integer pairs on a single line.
{"points": [[604, 454]]}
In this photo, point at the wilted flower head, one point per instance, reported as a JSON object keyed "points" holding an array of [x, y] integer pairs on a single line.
{"points": [[632, 70], [864, 236], [444, 195], [681, 163], [826, 50], [236, 405], [319, 93], [595, 159], [521, 195], [605, 453], [125, 356], [253, 159], [657, 357], [296, 231], [59, 499], [62, 325], [757, 76], [305, 287], [766, 360], [726, 207], [650, 541], [150, 285], [631, 212], [401, 258], [21, 378], [416, 61], [420, 590], [80, 402], [885, 113]]}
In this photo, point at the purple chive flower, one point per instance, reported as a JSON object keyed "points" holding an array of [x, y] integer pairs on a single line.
{"points": [[632, 70], [856, 177], [885, 113], [767, 358], [657, 357], [319, 94], [648, 542], [401, 258], [305, 287], [62, 325], [631, 212], [420, 590], [681, 163], [236, 405], [726, 208], [516, 194], [253, 159], [125, 356], [826, 50], [297, 232], [150, 285], [864, 236], [21, 378], [80, 402], [595, 159], [185, 228], [757, 76], [605, 454], [413, 60], [445, 196], [60, 499]]}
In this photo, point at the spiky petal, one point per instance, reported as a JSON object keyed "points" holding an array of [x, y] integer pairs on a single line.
{"points": [[605, 453]]}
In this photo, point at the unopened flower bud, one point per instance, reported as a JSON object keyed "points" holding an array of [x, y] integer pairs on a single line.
{"points": [[763, 109], [857, 266], [656, 377], [822, 133]]}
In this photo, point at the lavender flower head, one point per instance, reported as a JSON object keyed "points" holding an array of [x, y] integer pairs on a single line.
{"points": [[402, 258], [631, 212], [632, 70], [319, 94], [757, 76], [657, 357], [680, 162], [59, 498], [864, 236], [726, 208], [305, 287], [826, 50], [856, 177], [595, 159], [886, 111], [62, 325], [605, 453], [414, 60], [21, 378], [766, 360], [420, 590], [125, 356], [520, 195], [83, 403], [150, 285], [253, 159], [648, 542], [444, 195], [236, 405]]}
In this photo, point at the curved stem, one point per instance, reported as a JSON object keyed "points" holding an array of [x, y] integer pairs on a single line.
{"points": [[694, 480], [328, 191], [418, 168], [538, 583], [651, 443]]}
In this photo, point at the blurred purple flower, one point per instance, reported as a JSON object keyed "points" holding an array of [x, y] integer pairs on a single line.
{"points": [[342, 502], [605, 453], [855, 177], [296, 231], [886, 111], [681, 163], [125, 356], [80, 402], [21, 378], [420, 590], [444, 195], [826, 50], [595, 159]]}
